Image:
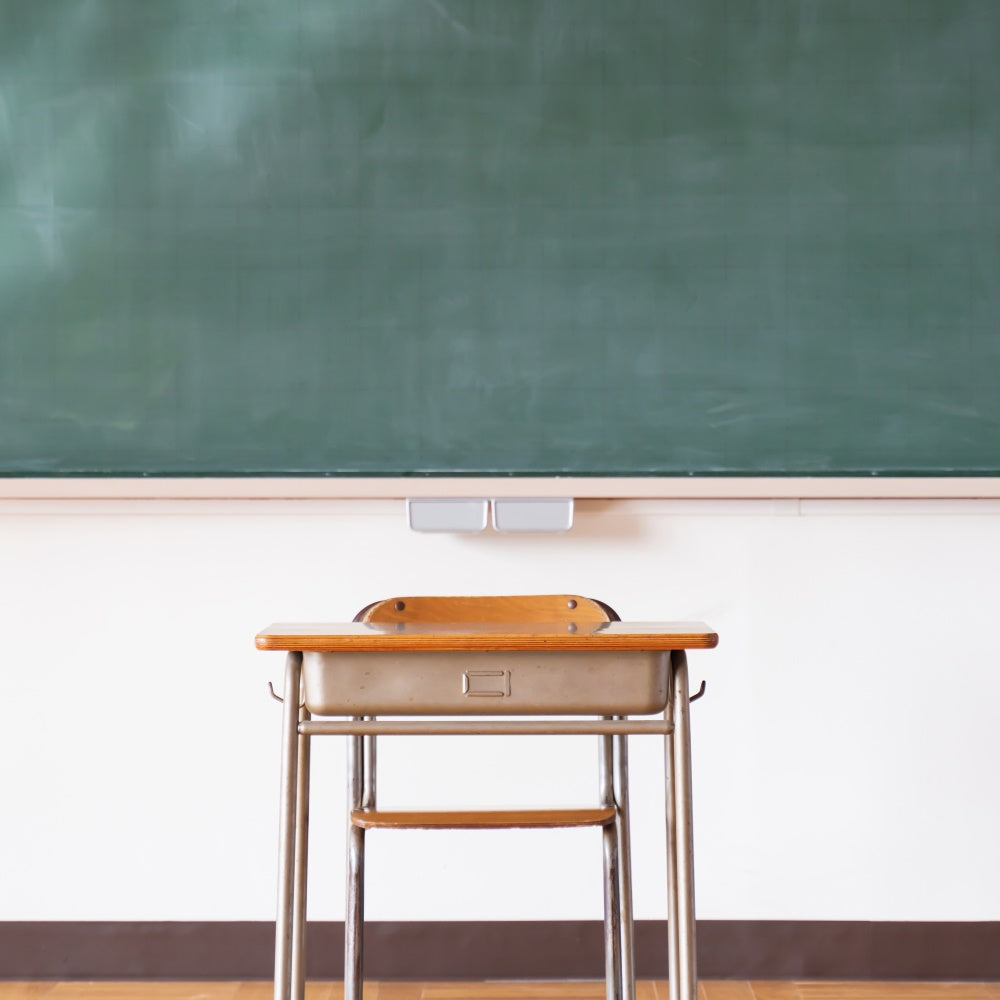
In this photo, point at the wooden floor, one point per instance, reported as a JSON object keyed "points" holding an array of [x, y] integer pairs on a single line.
{"points": [[709, 990]]}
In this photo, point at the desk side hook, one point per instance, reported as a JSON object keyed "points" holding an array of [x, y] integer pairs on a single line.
{"points": [[277, 697], [698, 694]]}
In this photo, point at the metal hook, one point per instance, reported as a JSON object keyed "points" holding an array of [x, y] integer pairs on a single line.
{"points": [[277, 697], [699, 693]]}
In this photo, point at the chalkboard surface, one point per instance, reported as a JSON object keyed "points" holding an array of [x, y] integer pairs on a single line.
{"points": [[633, 237]]}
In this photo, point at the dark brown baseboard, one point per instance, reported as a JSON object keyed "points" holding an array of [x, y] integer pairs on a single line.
{"points": [[727, 949]]}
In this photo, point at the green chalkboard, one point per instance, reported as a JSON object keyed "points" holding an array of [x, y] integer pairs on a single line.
{"points": [[335, 237]]}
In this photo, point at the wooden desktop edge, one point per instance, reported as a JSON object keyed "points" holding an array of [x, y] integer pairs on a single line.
{"points": [[621, 637], [582, 488]]}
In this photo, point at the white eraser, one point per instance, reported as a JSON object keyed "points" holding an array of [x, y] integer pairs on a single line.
{"points": [[541, 514], [447, 514]]}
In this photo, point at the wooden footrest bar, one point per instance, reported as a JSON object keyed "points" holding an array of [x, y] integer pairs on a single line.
{"points": [[494, 819]]}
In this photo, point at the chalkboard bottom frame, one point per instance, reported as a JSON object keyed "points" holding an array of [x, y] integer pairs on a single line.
{"points": [[579, 487]]}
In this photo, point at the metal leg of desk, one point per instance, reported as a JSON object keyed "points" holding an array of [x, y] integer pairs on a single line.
{"points": [[286, 828], [370, 770], [355, 914], [298, 962], [673, 979], [612, 876], [685, 968], [624, 866]]}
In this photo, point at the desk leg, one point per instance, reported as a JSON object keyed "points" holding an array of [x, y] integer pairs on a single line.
{"points": [[673, 945], [286, 828], [301, 866], [368, 748], [624, 865], [612, 879], [686, 969], [354, 921]]}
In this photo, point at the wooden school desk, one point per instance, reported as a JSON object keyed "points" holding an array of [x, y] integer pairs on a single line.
{"points": [[516, 669]]}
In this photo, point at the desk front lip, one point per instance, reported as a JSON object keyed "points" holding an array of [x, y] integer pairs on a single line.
{"points": [[615, 636]]}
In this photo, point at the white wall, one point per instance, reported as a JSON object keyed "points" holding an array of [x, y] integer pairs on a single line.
{"points": [[846, 754]]}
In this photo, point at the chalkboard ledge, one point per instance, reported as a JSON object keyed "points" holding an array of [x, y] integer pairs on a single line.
{"points": [[388, 488]]}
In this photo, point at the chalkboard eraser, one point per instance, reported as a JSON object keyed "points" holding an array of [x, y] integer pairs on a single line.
{"points": [[524, 514], [447, 514]]}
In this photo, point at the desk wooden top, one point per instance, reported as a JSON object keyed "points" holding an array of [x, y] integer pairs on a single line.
{"points": [[489, 636]]}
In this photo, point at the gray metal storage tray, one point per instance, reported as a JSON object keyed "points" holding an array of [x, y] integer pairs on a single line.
{"points": [[631, 682]]}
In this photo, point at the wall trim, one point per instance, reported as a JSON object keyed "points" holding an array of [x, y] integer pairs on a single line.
{"points": [[572, 949], [581, 487]]}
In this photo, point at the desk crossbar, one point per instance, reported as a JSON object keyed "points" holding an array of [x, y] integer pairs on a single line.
{"points": [[491, 727]]}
